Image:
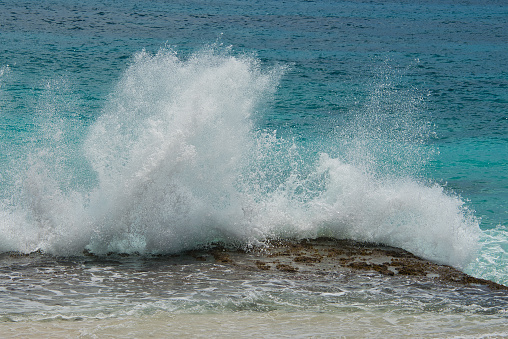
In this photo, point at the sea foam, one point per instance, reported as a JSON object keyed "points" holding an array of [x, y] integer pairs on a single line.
{"points": [[176, 161]]}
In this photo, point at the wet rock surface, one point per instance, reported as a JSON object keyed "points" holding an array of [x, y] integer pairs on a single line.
{"points": [[319, 256], [325, 255]]}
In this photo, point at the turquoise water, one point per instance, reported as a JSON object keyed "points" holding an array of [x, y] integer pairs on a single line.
{"points": [[157, 127]]}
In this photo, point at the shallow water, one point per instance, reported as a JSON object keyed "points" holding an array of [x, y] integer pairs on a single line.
{"points": [[269, 325], [41, 289]]}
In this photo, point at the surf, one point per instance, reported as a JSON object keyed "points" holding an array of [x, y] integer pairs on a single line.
{"points": [[177, 160]]}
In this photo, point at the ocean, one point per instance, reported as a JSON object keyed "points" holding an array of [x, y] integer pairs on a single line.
{"points": [[134, 133]]}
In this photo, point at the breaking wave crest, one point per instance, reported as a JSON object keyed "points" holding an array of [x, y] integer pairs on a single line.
{"points": [[176, 161]]}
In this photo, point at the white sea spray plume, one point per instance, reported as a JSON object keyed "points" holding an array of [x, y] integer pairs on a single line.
{"points": [[176, 161]]}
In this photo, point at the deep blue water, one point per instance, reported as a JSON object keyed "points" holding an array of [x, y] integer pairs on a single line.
{"points": [[375, 120]]}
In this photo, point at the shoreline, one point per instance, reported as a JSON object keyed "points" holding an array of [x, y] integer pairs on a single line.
{"points": [[265, 325], [321, 287]]}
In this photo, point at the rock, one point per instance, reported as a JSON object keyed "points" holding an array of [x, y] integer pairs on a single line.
{"points": [[326, 255]]}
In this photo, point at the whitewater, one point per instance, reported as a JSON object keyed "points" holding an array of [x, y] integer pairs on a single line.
{"points": [[177, 163]]}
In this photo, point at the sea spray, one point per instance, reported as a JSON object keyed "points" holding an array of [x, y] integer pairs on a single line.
{"points": [[176, 161]]}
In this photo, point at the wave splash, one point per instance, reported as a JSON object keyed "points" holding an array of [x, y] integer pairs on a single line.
{"points": [[175, 161]]}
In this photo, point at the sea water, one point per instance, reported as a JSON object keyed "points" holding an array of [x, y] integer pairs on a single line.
{"points": [[159, 127]]}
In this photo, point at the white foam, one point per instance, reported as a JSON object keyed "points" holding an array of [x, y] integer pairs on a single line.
{"points": [[492, 261], [178, 162]]}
